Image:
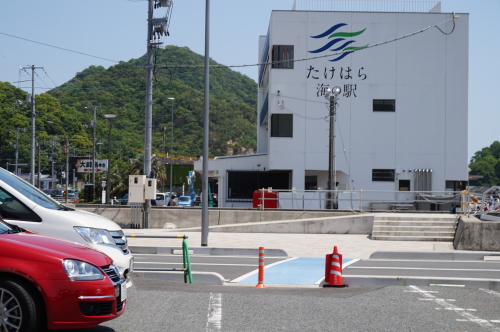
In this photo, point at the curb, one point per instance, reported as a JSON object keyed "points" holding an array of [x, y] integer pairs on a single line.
{"points": [[199, 278], [442, 256], [371, 281], [208, 251]]}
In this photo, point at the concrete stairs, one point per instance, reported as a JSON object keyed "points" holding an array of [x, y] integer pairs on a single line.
{"points": [[414, 227]]}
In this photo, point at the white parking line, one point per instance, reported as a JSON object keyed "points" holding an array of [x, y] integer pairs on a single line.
{"points": [[214, 320], [421, 268], [352, 261], [216, 264], [489, 291], [460, 311]]}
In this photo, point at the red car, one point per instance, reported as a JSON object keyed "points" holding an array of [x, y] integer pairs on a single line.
{"points": [[55, 284]]}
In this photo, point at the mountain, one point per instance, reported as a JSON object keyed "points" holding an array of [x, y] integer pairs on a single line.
{"points": [[120, 90]]}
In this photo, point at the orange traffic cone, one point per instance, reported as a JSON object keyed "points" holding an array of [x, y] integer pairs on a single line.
{"points": [[335, 277]]}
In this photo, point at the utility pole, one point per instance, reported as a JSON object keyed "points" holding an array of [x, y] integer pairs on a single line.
{"points": [[149, 109], [39, 165], [32, 67], [157, 27], [163, 130], [332, 176], [94, 125], [52, 166], [18, 129]]}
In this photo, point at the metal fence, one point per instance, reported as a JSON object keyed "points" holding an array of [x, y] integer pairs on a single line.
{"points": [[366, 200], [368, 6]]}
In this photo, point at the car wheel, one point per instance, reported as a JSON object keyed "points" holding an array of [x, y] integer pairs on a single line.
{"points": [[19, 309]]}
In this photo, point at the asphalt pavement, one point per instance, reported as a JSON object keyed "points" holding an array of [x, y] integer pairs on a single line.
{"points": [[418, 263], [156, 306]]}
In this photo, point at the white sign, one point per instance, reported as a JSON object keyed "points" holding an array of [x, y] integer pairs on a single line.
{"points": [[85, 165]]}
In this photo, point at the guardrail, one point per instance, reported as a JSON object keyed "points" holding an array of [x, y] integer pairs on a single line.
{"points": [[362, 200], [185, 255]]}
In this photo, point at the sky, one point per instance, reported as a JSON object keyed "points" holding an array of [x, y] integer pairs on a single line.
{"points": [[116, 30]]}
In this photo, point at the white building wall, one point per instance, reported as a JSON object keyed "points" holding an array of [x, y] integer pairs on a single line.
{"points": [[427, 75]]}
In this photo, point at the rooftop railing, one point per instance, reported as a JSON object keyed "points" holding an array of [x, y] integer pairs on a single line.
{"points": [[368, 6]]}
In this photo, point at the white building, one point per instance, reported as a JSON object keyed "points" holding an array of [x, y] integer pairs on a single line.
{"points": [[401, 117]]}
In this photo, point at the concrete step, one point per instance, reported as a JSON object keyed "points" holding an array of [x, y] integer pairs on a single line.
{"points": [[413, 223], [412, 233], [414, 238], [413, 228], [417, 217]]}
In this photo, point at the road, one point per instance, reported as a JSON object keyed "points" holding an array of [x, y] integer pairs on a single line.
{"points": [[310, 271], [161, 306], [420, 268]]}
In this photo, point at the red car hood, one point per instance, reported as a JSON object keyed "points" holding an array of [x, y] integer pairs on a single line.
{"points": [[35, 246]]}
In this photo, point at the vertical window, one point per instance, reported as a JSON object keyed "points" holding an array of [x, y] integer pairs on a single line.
{"points": [[384, 105], [283, 56], [404, 185], [282, 125], [386, 175]]}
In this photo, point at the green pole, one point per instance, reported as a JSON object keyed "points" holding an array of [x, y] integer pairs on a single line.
{"points": [[186, 262]]}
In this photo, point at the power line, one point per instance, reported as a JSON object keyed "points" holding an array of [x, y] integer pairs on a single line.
{"points": [[61, 48], [264, 63]]}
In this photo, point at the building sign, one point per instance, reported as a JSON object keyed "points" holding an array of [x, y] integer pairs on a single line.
{"points": [[85, 165], [343, 76], [339, 38]]}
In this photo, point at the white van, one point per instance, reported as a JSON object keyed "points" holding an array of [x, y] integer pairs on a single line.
{"points": [[163, 198], [23, 205]]}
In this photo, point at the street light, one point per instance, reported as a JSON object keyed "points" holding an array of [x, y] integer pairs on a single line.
{"points": [[66, 152], [110, 118], [171, 144]]}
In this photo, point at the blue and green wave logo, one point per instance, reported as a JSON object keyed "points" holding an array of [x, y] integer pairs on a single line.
{"points": [[339, 38]]}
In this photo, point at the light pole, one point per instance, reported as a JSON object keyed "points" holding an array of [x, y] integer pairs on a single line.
{"points": [[332, 176], [66, 152], [171, 144], [110, 118]]}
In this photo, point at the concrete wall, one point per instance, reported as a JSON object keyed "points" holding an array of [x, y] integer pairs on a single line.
{"points": [[477, 235], [352, 224], [191, 217]]}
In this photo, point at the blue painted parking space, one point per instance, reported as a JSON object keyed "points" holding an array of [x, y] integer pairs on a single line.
{"points": [[294, 271]]}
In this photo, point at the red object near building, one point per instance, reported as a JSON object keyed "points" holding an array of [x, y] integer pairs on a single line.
{"points": [[270, 199]]}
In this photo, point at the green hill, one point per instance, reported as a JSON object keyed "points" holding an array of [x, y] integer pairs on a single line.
{"points": [[120, 90]]}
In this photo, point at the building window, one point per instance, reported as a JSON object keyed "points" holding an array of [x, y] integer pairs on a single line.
{"points": [[384, 105], [404, 185], [455, 185], [242, 184], [282, 125], [283, 56], [386, 175], [311, 182]]}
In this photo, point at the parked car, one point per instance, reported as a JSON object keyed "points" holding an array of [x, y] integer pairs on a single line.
{"points": [[57, 194], [124, 200], [185, 201], [27, 207], [48, 283], [47, 192]]}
